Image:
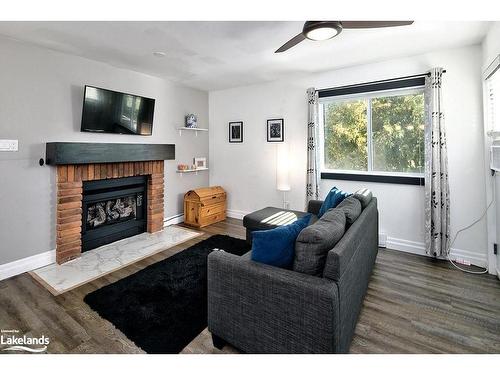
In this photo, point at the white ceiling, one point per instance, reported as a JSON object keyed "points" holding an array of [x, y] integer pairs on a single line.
{"points": [[218, 55]]}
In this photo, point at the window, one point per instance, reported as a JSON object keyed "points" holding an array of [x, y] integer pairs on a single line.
{"points": [[492, 93], [373, 133], [492, 100]]}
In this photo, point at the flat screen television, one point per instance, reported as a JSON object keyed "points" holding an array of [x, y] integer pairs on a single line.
{"points": [[107, 111]]}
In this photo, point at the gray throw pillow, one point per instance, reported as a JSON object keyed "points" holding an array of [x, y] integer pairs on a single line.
{"points": [[352, 209], [314, 242], [364, 196]]}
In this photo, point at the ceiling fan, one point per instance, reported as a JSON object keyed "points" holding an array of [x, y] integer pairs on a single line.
{"points": [[323, 30]]}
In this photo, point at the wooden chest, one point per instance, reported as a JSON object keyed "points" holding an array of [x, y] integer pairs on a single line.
{"points": [[204, 206]]}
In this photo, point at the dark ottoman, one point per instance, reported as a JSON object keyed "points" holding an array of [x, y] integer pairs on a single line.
{"points": [[269, 218]]}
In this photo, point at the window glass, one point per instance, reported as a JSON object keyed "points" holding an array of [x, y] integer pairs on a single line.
{"points": [[398, 133], [379, 132], [345, 135]]}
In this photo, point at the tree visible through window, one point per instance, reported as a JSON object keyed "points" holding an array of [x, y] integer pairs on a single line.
{"points": [[379, 133]]}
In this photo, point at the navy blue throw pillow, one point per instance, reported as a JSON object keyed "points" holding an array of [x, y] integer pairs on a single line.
{"points": [[276, 247], [334, 197]]}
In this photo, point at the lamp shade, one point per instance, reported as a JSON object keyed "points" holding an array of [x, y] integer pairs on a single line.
{"points": [[282, 168]]}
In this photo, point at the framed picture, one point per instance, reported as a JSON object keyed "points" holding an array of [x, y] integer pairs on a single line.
{"points": [[276, 130], [236, 132], [200, 163]]}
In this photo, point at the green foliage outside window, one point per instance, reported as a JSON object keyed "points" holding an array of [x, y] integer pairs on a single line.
{"points": [[397, 124], [346, 135]]}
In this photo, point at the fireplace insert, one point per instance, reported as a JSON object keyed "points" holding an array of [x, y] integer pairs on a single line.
{"points": [[112, 210]]}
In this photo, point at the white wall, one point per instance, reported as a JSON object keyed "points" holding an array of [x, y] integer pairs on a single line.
{"points": [[41, 96], [491, 49], [247, 170]]}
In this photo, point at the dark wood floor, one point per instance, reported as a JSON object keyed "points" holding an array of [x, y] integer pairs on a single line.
{"points": [[413, 305]]}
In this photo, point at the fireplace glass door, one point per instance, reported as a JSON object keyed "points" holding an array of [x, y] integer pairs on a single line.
{"points": [[112, 210]]}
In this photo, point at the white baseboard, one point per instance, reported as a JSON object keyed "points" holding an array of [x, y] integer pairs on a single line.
{"points": [[236, 214], [474, 258], [176, 219], [405, 245], [27, 264], [414, 247]]}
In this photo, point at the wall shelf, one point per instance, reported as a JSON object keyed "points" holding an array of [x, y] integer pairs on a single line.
{"points": [[195, 171], [195, 130]]}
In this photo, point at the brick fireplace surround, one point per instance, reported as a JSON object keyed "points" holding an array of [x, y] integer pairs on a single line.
{"points": [[70, 178]]}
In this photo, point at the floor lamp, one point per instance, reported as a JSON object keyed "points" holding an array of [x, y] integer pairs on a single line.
{"points": [[282, 172]]}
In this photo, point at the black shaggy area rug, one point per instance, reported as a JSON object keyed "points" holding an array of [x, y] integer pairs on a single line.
{"points": [[163, 307]]}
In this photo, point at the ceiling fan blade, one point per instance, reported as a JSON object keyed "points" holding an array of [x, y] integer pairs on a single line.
{"points": [[292, 42], [373, 24]]}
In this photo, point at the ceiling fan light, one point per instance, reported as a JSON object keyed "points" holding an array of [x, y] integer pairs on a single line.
{"points": [[322, 33], [321, 30]]}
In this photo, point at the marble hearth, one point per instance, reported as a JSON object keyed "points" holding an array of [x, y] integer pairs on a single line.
{"points": [[103, 260]]}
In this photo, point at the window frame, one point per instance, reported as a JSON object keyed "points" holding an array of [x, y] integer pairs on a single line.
{"points": [[409, 178], [491, 96]]}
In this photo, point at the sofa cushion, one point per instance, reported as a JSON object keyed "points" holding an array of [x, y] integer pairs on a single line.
{"points": [[313, 219], [314, 242], [351, 208], [339, 258], [334, 197], [276, 247], [364, 196]]}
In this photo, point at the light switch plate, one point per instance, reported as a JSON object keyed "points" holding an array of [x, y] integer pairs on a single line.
{"points": [[9, 144]]}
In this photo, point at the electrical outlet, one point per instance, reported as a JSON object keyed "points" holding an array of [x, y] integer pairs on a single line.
{"points": [[8, 145]]}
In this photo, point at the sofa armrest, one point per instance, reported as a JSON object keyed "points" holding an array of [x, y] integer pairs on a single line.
{"points": [[313, 206], [263, 309]]}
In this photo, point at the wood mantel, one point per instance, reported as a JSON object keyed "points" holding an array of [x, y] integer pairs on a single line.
{"points": [[57, 153]]}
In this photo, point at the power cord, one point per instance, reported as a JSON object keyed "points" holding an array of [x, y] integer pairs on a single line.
{"points": [[470, 226]]}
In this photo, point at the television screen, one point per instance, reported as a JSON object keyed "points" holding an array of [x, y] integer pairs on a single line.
{"points": [[107, 111]]}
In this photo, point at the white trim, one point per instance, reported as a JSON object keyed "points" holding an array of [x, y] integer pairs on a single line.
{"points": [[236, 214], [20, 266], [382, 240], [405, 245], [175, 219], [492, 68], [418, 248], [474, 258]]}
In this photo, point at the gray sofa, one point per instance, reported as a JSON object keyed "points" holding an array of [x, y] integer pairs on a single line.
{"points": [[259, 308]]}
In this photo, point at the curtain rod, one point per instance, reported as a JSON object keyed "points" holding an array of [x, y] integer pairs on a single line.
{"points": [[375, 82]]}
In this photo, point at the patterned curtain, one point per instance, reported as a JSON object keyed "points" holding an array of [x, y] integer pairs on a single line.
{"points": [[437, 191], [312, 184]]}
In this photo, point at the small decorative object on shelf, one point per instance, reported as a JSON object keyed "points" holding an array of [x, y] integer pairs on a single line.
{"points": [[191, 121], [186, 168], [204, 206], [200, 162], [236, 132], [275, 130]]}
